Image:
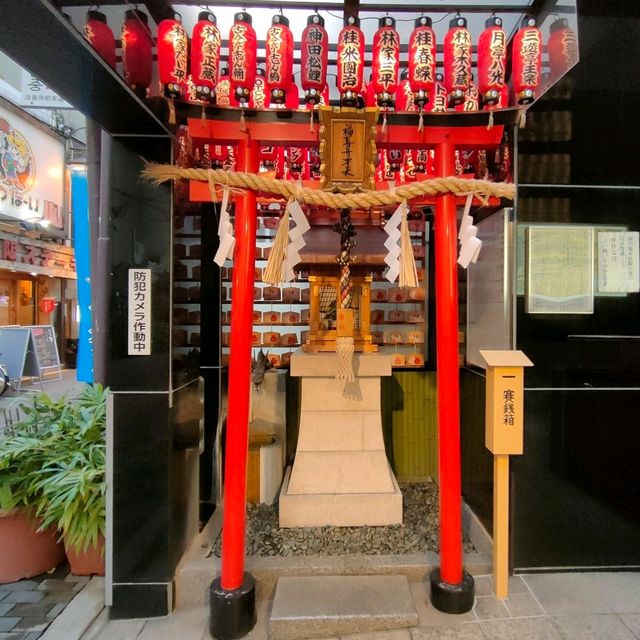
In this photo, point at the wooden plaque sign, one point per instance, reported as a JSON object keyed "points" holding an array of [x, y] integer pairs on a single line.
{"points": [[347, 148]]}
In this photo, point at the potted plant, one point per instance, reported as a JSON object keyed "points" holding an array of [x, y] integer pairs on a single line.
{"points": [[70, 486], [28, 549]]}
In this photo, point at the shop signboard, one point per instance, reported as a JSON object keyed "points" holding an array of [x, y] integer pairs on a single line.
{"points": [[31, 172], [18, 253], [35, 93]]}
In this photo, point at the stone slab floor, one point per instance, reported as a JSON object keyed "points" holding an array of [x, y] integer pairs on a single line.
{"points": [[561, 606]]}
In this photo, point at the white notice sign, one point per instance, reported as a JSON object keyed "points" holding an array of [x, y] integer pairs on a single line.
{"points": [[35, 93], [618, 263], [139, 312]]}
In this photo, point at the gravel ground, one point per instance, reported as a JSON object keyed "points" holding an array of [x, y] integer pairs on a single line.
{"points": [[418, 534]]}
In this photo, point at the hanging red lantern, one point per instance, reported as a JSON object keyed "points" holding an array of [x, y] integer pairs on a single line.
{"points": [[292, 100], [224, 96], [492, 58], [350, 62], [471, 98], [314, 58], [438, 98], [136, 51], [409, 169], [279, 55], [386, 61], [422, 60], [173, 47], [562, 48], [325, 100], [242, 57], [527, 61], [100, 37], [314, 162], [205, 55], [260, 91], [404, 94], [298, 163], [369, 94], [457, 60]]}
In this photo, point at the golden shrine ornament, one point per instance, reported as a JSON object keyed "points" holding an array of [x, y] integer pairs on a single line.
{"points": [[347, 148]]}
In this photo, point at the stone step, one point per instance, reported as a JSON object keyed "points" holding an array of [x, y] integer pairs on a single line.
{"points": [[323, 606]]}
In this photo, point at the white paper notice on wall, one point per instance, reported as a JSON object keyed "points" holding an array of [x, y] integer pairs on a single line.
{"points": [[139, 312], [619, 261]]}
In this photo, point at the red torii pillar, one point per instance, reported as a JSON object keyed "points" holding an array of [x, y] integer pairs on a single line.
{"points": [[452, 588], [232, 594]]}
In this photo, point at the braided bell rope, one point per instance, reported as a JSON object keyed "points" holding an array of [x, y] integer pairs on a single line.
{"points": [[159, 173]]}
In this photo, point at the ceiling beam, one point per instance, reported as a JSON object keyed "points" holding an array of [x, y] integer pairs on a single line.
{"points": [[159, 10], [351, 8], [66, 63]]}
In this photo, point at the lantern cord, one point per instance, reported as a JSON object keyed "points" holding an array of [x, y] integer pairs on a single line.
{"points": [[159, 173], [384, 121], [172, 111], [311, 127], [490, 123], [243, 126], [203, 113], [522, 121], [420, 122]]}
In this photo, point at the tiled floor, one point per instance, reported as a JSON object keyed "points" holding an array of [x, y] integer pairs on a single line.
{"points": [[570, 606], [28, 607]]}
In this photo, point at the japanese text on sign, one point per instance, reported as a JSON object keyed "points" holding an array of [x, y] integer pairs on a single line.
{"points": [[139, 312]]}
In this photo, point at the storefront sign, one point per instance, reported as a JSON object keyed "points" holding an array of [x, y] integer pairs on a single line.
{"points": [[139, 312], [35, 93], [31, 172], [347, 148], [18, 253]]}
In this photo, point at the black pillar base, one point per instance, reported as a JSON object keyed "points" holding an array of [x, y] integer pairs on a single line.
{"points": [[232, 613], [452, 598]]}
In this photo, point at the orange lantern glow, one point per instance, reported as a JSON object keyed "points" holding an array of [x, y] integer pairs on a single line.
{"points": [[279, 55], [242, 57], [492, 57], [386, 61], [100, 37], [527, 61], [205, 55], [350, 62], [422, 60], [562, 48], [173, 46], [457, 60], [136, 51]]}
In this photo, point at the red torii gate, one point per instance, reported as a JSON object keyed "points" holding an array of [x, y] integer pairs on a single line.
{"points": [[452, 589]]}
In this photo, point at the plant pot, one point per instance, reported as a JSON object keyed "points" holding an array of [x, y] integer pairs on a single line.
{"points": [[88, 562], [26, 552]]}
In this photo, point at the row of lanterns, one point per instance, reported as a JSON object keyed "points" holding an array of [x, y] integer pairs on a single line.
{"points": [[422, 87]]}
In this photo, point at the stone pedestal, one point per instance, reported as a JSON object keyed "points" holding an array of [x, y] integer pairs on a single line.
{"points": [[340, 475]]}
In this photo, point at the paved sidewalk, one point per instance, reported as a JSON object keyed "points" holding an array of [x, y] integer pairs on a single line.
{"points": [[561, 606]]}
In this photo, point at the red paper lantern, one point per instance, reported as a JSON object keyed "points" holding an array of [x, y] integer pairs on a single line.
{"points": [[369, 94], [47, 305], [386, 61], [492, 58], [422, 60], [242, 57], [325, 100], [314, 162], [279, 54], [298, 163], [205, 55], [136, 51], [350, 62], [292, 100], [404, 94], [527, 61], [562, 48], [173, 47], [260, 91], [471, 98], [457, 60], [100, 37], [314, 57], [438, 98], [224, 96]]}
